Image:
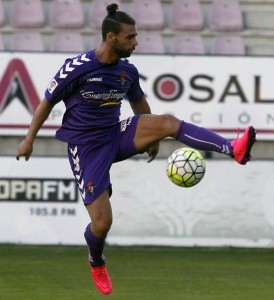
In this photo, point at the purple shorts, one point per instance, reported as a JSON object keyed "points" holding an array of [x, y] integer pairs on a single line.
{"points": [[91, 163]]}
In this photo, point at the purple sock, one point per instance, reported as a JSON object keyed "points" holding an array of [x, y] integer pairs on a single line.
{"points": [[202, 139], [95, 246]]}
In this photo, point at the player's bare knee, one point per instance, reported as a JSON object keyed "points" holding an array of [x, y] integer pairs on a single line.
{"points": [[103, 226], [169, 123]]}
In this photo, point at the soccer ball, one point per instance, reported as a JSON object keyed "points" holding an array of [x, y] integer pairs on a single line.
{"points": [[185, 167]]}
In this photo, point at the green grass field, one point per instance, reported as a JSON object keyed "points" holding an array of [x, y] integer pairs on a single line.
{"points": [[138, 273]]}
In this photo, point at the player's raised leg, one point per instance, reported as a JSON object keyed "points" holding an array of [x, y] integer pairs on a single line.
{"points": [[151, 128], [242, 146], [204, 139]]}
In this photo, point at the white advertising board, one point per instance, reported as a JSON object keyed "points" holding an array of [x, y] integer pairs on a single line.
{"points": [[232, 206], [220, 93]]}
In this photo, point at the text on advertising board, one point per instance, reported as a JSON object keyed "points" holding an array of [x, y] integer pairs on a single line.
{"points": [[39, 190]]}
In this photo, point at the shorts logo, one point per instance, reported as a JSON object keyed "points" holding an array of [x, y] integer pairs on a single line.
{"points": [[91, 187], [125, 123], [52, 86]]}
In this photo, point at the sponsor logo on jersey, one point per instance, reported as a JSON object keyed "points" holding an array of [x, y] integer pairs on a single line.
{"points": [[98, 79], [107, 98]]}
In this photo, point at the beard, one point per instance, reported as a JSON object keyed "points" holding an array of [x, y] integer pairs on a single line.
{"points": [[119, 51]]}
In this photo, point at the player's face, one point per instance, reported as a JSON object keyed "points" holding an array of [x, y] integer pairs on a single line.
{"points": [[125, 42]]}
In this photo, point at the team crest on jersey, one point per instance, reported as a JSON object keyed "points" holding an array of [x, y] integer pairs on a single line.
{"points": [[122, 79], [52, 86], [91, 187]]}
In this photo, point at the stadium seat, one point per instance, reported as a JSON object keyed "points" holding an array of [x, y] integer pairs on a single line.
{"points": [[67, 42], [186, 15], [2, 47], [150, 43], [27, 14], [66, 14], [2, 14], [225, 15], [188, 44], [26, 41], [228, 45], [148, 14], [97, 12], [96, 41]]}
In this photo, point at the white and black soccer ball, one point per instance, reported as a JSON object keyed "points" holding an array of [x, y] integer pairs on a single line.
{"points": [[186, 167]]}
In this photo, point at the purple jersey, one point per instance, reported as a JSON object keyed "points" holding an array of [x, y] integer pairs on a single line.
{"points": [[92, 93]]}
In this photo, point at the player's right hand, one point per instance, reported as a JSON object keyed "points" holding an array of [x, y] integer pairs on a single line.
{"points": [[152, 151], [25, 149]]}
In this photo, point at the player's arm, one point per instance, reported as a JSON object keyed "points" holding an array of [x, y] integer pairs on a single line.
{"points": [[142, 107], [42, 112]]}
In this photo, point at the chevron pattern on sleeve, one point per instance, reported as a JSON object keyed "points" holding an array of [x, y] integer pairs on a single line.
{"points": [[71, 65]]}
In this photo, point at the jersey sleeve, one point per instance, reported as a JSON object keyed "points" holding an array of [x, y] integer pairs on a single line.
{"points": [[135, 92], [67, 78]]}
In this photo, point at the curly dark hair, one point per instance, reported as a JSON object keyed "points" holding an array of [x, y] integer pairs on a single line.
{"points": [[112, 22]]}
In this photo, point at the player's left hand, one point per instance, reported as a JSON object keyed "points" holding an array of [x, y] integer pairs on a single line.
{"points": [[152, 151]]}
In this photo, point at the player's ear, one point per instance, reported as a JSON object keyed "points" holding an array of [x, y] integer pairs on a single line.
{"points": [[110, 37]]}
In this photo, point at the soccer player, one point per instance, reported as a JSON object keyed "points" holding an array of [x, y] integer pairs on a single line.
{"points": [[92, 86]]}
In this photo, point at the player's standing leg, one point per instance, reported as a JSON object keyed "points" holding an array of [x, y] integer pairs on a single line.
{"points": [[101, 215]]}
